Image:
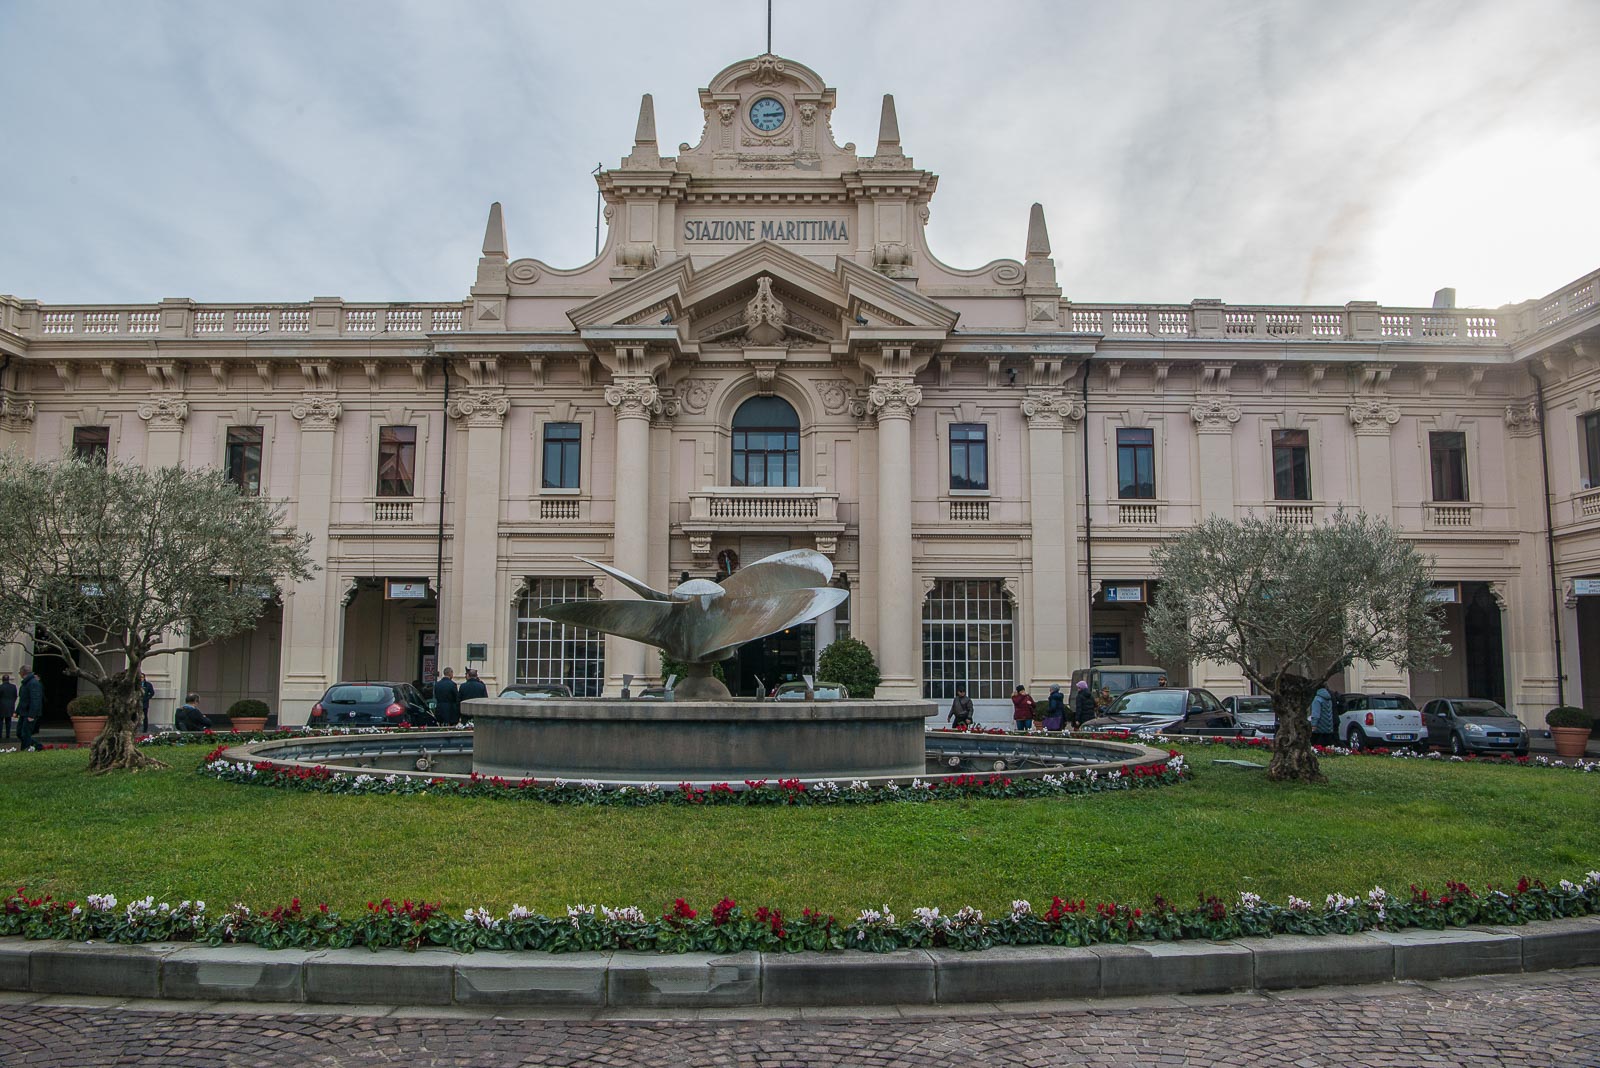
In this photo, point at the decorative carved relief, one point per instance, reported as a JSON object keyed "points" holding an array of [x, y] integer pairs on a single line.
{"points": [[634, 397], [725, 113], [893, 398], [694, 394], [765, 315], [1523, 419], [1051, 410], [164, 412], [767, 70], [317, 411], [700, 546], [838, 395], [827, 544], [808, 113], [1215, 414], [1373, 416], [480, 407], [15, 413]]}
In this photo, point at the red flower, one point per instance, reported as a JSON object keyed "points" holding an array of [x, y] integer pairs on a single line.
{"points": [[721, 911], [679, 912]]}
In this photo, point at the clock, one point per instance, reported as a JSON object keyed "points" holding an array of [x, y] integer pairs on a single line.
{"points": [[767, 114]]}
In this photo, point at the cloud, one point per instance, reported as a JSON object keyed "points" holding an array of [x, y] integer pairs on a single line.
{"points": [[1259, 152]]}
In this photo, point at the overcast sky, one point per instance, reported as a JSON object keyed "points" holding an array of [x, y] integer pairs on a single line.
{"points": [[1258, 152]]}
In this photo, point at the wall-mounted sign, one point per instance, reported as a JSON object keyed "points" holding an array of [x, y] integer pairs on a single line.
{"points": [[477, 651], [744, 231], [1586, 587], [406, 590], [1445, 593], [1124, 593]]}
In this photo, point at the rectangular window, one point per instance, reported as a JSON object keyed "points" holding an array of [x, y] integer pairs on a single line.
{"points": [[397, 461], [91, 444], [244, 458], [967, 640], [969, 456], [1136, 463], [563, 444], [550, 652], [1591, 448], [1291, 465], [1447, 452]]}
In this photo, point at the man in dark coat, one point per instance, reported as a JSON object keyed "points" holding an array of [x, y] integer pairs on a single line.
{"points": [[961, 709], [472, 687], [30, 709], [447, 699], [1083, 706], [8, 703], [146, 691], [188, 717]]}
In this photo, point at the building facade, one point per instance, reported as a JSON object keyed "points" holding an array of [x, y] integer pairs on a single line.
{"points": [[767, 355]]}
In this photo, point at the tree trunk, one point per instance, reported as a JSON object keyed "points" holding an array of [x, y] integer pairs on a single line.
{"points": [[114, 749], [1292, 757]]}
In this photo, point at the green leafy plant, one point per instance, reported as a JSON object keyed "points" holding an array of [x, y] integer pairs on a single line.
{"points": [[849, 661], [249, 708], [1568, 716], [671, 667], [89, 704]]}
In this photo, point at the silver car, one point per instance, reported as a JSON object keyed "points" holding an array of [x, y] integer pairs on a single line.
{"points": [[1253, 710], [1472, 725]]}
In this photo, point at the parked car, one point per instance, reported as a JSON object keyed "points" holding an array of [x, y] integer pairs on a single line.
{"points": [[371, 704], [1379, 720], [1119, 678], [1170, 710], [1253, 710], [1473, 725], [822, 691], [536, 691]]}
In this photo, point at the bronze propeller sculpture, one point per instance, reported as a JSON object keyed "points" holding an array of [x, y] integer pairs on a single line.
{"points": [[701, 622]]}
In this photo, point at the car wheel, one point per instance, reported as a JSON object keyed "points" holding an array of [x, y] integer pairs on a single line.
{"points": [[1457, 745], [1355, 739]]}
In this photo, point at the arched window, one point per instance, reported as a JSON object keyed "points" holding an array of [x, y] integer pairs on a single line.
{"points": [[766, 443]]}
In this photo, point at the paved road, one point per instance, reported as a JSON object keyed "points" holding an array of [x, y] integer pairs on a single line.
{"points": [[1546, 1019]]}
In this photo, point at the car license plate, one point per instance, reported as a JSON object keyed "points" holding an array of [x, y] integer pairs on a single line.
{"points": [[1402, 737], [1499, 741]]}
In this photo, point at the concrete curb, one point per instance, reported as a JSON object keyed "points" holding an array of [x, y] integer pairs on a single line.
{"points": [[439, 977]]}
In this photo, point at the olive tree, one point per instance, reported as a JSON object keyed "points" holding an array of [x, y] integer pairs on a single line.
{"points": [[1292, 607], [106, 566]]}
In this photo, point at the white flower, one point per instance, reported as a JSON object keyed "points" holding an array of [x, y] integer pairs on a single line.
{"points": [[859, 784], [1249, 902], [102, 902], [1021, 908], [77, 911], [1593, 878], [1377, 897], [626, 914], [1569, 887], [928, 918], [481, 918], [967, 916], [1340, 903], [876, 918], [1298, 904], [519, 913], [892, 788], [576, 913]]}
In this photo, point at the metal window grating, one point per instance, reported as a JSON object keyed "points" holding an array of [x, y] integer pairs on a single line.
{"points": [[550, 652], [967, 639]]}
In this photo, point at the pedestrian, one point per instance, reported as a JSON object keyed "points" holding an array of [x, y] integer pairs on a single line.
{"points": [[30, 709], [1162, 681], [8, 704], [1055, 715], [1022, 708], [146, 691], [188, 717], [1322, 717], [961, 710], [470, 688], [1083, 705], [447, 699]]}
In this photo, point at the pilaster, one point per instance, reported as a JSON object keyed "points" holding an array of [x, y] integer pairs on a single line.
{"points": [[310, 656], [1059, 641], [482, 407], [1214, 417]]}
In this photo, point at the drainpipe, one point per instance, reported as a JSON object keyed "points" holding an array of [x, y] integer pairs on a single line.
{"points": [[1088, 525], [1550, 543], [438, 564]]}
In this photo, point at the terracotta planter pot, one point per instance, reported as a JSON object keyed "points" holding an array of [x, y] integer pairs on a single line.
{"points": [[246, 724], [1570, 741], [88, 728]]}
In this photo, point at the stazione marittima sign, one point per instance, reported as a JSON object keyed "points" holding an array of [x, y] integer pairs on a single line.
{"points": [[747, 230]]}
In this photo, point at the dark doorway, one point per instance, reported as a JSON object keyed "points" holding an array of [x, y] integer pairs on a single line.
{"points": [[1485, 651], [777, 658], [59, 688]]}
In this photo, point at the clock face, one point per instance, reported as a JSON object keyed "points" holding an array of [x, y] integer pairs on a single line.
{"points": [[767, 114]]}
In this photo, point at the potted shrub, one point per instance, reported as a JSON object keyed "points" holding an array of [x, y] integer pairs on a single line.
{"points": [[1569, 727], [849, 661], [88, 714], [248, 715]]}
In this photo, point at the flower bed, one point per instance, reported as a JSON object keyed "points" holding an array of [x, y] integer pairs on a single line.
{"points": [[731, 928], [1168, 771]]}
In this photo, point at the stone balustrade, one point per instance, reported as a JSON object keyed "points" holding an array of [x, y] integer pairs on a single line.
{"points": [[758, 507], [187, 319]]}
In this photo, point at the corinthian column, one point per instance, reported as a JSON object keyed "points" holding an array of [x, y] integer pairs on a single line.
{"points": [[471, 595], [310, 655], [1058, 640], [892, 399], [633, 398]]}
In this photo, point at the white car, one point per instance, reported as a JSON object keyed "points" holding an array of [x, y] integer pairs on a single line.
{"points": [[1379, 720]]}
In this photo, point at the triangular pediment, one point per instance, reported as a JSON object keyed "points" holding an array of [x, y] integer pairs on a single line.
{"points": [[825, 304]]}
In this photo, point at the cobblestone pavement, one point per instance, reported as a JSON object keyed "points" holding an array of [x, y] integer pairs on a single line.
{"points": [[1545, 1019]]}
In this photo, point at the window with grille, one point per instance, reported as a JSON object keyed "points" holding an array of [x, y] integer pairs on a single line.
{"points": [[766, 443], [1291, 465], [1136, 463], [1591, 449], [91, 444], [967, 640], [969, 456], [244, 458], [550, 652], [563, 445], [397, 461], [1447, 453]]}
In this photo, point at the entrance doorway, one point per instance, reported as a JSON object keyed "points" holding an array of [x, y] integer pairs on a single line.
{"points": [[59, 687], [765, 662], [383, 635], [1116, 626], [243, 666], [1476, 666]]}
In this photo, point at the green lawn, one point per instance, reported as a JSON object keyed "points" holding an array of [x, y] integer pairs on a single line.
{"points": [[177, 835]]}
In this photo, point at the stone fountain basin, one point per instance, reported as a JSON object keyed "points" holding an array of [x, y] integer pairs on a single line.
{"points": [[678, 741]]}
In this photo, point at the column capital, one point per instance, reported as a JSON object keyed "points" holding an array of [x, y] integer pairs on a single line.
{"points": [[165, 412], [1050, 409], [317, 411], [1374, 417], [1215, 415], [634, 396], [893, 397], [1523, 419], [15, 412], [480, 406]]}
